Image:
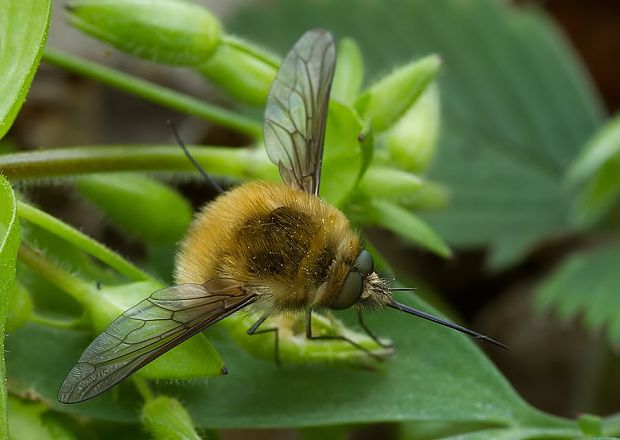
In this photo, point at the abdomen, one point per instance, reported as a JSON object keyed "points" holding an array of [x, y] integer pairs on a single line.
{"points": [[265, 235]]}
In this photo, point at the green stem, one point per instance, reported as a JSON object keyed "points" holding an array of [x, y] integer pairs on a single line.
{"points": [[143, 388], [240, 163], [80, 240], [55, 322], [35, 260], [250, 49], [154, 93]]}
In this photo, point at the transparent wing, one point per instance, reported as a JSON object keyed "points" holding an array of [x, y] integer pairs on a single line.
{"points": [[296, 110], [147, 330]]}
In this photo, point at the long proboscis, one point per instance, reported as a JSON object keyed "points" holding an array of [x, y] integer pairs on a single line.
{"points": [[424, 315]]}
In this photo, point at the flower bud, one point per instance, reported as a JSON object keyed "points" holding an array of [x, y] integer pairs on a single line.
{"points": [[385, 181], [165, 31], [386, 101], [140, 206], [403, 188], [349, 72], [295, 348], [412, 141], [165, 419], [402, 222], [242, 70], [196, 357]]}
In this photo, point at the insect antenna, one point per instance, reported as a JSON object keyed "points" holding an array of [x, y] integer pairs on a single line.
{"points": [[194, 162], [403, 289], [424, 315]]}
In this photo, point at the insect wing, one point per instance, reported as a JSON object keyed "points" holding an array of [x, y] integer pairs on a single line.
{"points": [[147, 330], [296, 110]]}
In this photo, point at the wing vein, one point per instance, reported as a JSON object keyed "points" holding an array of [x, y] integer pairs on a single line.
{"points": [[297, 105], [141, 334]]}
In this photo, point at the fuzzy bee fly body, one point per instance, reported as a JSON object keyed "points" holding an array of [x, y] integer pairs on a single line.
{"points": [[293, 249], [275, 247]]}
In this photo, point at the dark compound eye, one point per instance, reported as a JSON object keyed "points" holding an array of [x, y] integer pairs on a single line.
{"points": [[364, 264], [350, 293], [354, 282]]}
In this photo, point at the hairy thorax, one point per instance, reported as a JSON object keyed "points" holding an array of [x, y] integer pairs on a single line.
{"points": [[288, 246]]}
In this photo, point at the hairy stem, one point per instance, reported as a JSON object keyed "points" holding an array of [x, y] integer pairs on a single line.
{"points": [[248, 48], [80, 240], [143, 388], [154, 93], [239, 163], [40, 264], [48, 321]]}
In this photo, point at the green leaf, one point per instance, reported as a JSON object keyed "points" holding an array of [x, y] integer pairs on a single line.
{"points": [[590, 425], [586, 284], [58, 349], [28, 421], [517, 433], [138, 206], [516, 105], [23, 31], [476, 431], [603, 146], [611, 425], [9, 244], [406, 224], [436, 374], [599, 196], [598, 166]]}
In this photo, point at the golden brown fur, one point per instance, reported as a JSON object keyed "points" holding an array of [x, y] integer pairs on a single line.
{"points": [[286, 245]]}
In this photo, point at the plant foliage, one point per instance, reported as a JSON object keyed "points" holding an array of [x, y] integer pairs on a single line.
{"points": [[502, 162]]}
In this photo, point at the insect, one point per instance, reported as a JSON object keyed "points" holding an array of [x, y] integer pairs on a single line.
{"points": [[276, 247]]}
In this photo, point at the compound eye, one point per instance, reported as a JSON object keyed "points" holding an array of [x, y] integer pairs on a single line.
{"points": [[364, 264], [350, 293]]}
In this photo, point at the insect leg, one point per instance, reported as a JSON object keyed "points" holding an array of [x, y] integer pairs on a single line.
{"points": [[310, 336], [254, 331], [360, 319]]}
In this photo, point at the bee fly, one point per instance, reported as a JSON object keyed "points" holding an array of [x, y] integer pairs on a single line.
{"points": [[276, 247]]}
